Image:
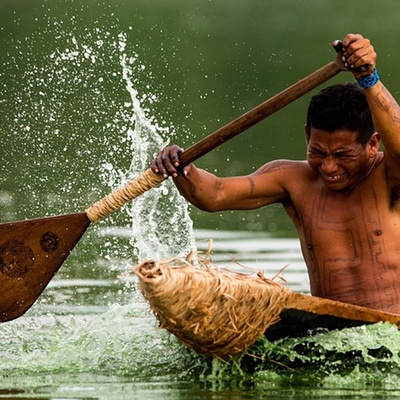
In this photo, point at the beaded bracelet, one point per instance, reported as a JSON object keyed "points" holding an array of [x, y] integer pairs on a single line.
{"points": [[368, 81]]}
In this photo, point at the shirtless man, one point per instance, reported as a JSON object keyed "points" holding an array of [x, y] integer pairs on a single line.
{"points": [[344, 200]]}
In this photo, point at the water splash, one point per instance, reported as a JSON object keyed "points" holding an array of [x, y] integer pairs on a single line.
{"points": [[80, 127], [162, 227], [65, 115], [356, 359], [124, 342]]}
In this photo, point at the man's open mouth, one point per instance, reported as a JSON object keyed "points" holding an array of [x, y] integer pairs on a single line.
{"points": [[332, 178]]}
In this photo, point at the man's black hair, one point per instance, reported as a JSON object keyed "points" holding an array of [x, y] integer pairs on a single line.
{"points": [[341, 106]]}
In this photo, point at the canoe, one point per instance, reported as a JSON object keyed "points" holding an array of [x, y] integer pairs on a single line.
{"points": [[221, 313], [305, 315]]}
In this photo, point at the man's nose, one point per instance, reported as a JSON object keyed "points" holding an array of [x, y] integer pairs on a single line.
{"points": [[329, 165]]}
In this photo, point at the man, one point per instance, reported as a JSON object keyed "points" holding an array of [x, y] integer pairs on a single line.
{"points": [[344, 200]]}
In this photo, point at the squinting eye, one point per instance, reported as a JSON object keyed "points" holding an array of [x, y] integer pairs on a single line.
{"points": [[343, 156], [316, 153]]}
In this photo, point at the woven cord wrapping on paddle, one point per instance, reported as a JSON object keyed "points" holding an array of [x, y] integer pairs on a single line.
{"points": [[115, 200], [216, 312]]}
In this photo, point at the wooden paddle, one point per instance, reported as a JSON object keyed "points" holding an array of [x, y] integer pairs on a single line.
{"points": [[32, 251]]}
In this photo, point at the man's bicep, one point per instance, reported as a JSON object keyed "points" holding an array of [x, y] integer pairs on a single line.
{"points": [[271, 181], [265, 186], [247, 192]]}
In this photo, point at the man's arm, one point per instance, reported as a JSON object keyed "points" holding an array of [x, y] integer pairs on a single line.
{"points": [[211, 193], [384, 108]]}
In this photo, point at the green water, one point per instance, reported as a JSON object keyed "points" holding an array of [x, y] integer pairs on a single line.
{"points": [[89, 91], [121, 354]]}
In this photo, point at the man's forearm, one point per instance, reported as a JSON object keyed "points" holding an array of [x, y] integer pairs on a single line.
{"points": [[386, 116], [199, 187]]}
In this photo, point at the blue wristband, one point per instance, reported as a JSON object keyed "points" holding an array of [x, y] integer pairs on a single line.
{"points": [[368, 81]]}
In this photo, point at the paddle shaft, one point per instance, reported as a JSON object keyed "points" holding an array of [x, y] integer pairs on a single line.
{"points": [[149, 179], [259, 113]]}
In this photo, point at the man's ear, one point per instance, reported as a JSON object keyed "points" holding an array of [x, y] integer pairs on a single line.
{"points": [[307, 132], [373, 144]]}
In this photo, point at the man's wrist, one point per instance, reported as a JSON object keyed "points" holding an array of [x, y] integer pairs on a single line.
{"points": [[368, 81]]}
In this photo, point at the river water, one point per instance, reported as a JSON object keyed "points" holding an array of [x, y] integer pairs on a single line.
{"points": [[89, 92], [94, 338]]}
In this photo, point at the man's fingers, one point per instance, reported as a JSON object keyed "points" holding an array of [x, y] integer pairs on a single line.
{"points": [[175, 152], [158, 166], [166, 161], [358, 53], [359, 59], [351, 38]]}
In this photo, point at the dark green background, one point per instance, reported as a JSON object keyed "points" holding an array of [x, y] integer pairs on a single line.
{"points": [[206, 61]]}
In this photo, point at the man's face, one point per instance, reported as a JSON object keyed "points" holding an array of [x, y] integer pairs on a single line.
{"points": [[339, 160]]}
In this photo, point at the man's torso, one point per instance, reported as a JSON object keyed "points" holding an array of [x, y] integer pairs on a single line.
{"points": [[350, 241]]}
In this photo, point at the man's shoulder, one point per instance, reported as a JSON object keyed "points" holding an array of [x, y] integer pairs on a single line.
{"points": [[285, 166], [291, 175]]}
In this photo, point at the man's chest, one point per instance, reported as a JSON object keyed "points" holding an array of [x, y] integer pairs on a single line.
{"points": [[339, 221]]}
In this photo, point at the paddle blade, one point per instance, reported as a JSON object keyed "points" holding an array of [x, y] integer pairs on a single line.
{"points": [[31, 252]]}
